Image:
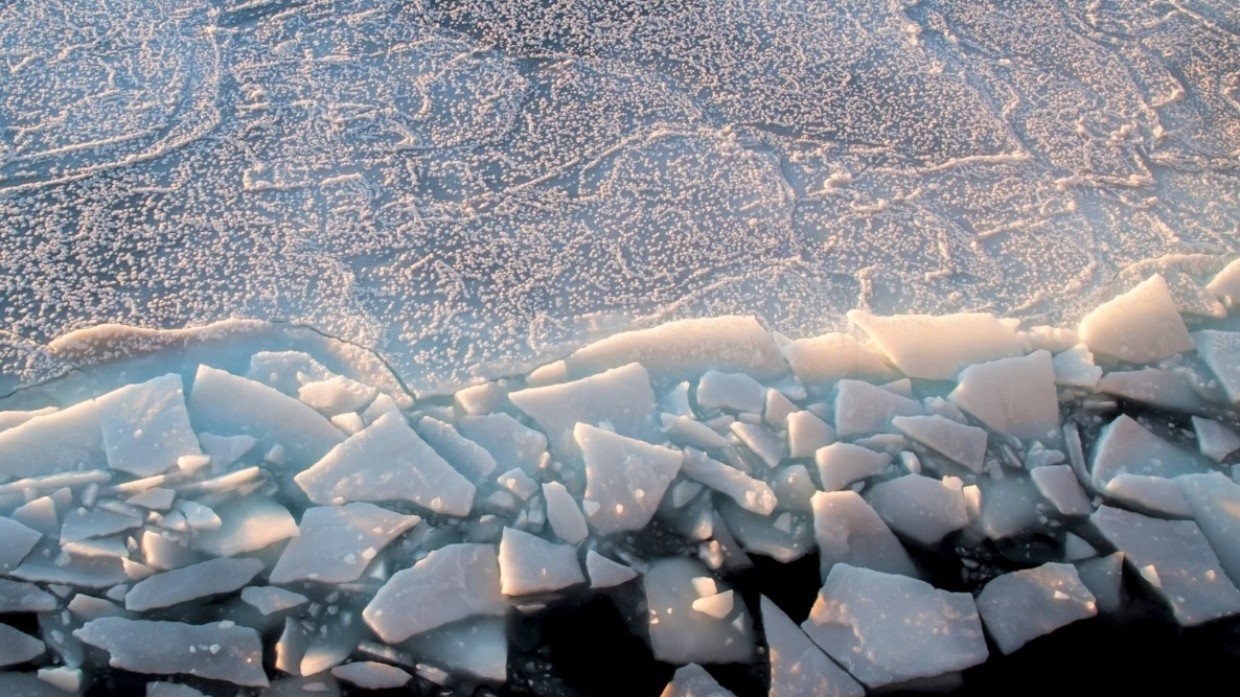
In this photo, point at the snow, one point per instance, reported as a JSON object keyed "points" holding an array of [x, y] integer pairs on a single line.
{"points": [[205, 579], [798, 667], [1015, 396], [937, 347], [335, 544], [625, 478], [529, 564], [849, 531], [219, 651], [678, 634], [146, 426], [1140, 326], [621, 397], [1020, 606]]}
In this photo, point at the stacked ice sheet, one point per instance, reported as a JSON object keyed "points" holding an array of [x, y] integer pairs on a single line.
{"points": [[294, 529]]}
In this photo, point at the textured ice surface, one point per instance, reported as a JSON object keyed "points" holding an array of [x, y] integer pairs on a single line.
{"points": [[1023, 605], [798, 667], [220, 651]]}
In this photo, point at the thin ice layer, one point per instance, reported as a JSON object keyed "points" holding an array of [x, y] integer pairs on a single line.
{"points": [[217, 651], [451, 583]]}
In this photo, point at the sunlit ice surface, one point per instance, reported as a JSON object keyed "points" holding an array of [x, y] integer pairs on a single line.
{"points": [[422, 197]]}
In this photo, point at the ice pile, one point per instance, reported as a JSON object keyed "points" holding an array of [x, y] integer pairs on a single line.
{"points": [[294, 529]]}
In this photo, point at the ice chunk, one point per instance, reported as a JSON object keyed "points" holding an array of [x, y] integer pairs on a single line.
{"points": [[849, 531], [156, 499], [919, 508], [1015, 396], [625, 478], [887, 628], [1075, 368], [1177, 389], [17, 647], [85, 572], [475, 648], [286, 370], [1059, 485], [685, 349], [370, 675], [1215, 440], [225, 450], [937, 347], [171, 689], [18, 596], [751, 494], [213, 577], [16, 541], [562, 512], [246, 525], [784, 537], [605, 573], [1226, 284], [471, 459], [17, 417], [1215, 503], [833, 356], [518, 483], [1009, 506], [219, 651], [760, 441], [1104, 577], [335, 544], [1151, 495], [530, 564], [807, 433], [1176, 561], [685, 431], [69, 439], [510, 442], [1140, 326], [841, 464], [677, 633], [336, 395], [198, 517], [1024, 605], [87, 523], [449, 584], [621, 396], [777, 407], [480, 399], [1125, 446], [731, 391], [862, 408], [964, 445], [387, 461], [146, 426], [1221, 353], [63, 678], [798, 667], [693, 681], [269, 599]]}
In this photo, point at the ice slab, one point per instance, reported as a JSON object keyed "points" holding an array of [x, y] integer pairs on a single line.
{"points": [[849, 531], [566, 518], [449, 584], [171, 689], [807, 433], [16, 541], [937, 347], [286, 370], [63, 678], [1176, 562], [336, 395], [474, 648], [751, 494], [1023, 605], [247, 524], [1145, 494], [225, 450], [146, 426], [88, 523], [335, 544], [223, 403], [887, 628], [1015, 396], [387, 461], [1221, 353], [1140, 326], [684, 430], [784, 537], [371, 675], [680, 635], [1174, 389], [834, 356], [1009, 506], [693, 681], [269, 600], [621, 397], [529, 564], [964, 445], [920, 508], [605, 573], [19, 596], [1075, 368], [625, 478], [760, 442], [1059, 485], [798, 667], [1104, 576], [1125, 446], [1226, 284], [205, 579], [218, 651], [1215, 440], [510, 442], [841, 464], [471, 459], [862, 408], [18, 647], [69, 439], [735, 392], [1214, 501], [685, 349]]}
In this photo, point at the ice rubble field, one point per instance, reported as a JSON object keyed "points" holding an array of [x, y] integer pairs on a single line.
{"points": [[292, 530]]}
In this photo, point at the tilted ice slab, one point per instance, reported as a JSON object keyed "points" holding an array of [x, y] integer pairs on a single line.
{"points": [[335, 544], [1029, 603], [798, 667], [218, 651]]}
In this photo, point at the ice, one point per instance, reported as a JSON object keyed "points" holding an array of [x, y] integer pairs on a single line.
{"points": [[937, 347], [220, 402], [1140, 326], [64, 678], [566, 519], [247, 524], [686, 431], [841, 464], [286, 370], [1023, 605], [807, 433], [1009, 506], [1075, 368], [1214, 501], [16, 417], [370, 675], [964, 445], [529, 564], [718, 605], [270, 599], [751, 494], [335, 544], [18, 647], [784, 537], [625, 478], [798, 667], [1176, 562], [198, 517], [686, 349], [1221, 353], [1015, 396], [1104, 576], [680, 635], [620, 396], [387, 462], [471, 459], [920, 508], [218, 651], [146, 426], [735, 392], [833, 356], [886, 628], [336, 395], [476, 648], [480, 399], [18, 596], [849, 531], [693, 681], [1126, 446], [1226, 284], [84, 524], [16, 541], [69, 439], [518, 483], [1059, 485], [777, 408], [225, 450], [1155, 496], [84, 572], [605, 573], [449, 584], [208, 578], [510, 442], [862, 408], [1215, 440], [159, 688], [760, 441]]}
